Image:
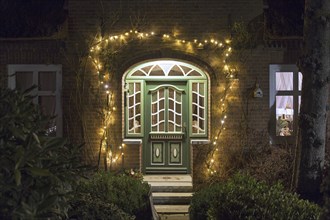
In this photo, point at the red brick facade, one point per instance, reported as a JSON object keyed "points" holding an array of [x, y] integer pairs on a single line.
{"points": [[187, 20]]}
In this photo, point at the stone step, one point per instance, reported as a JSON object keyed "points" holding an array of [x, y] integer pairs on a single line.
{"points": [[174, 217], [171, 195], [167, 178], [172, 209], [171, 186], [171, 198], [169, 183]]}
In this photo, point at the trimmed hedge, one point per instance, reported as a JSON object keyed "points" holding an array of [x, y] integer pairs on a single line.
{"points": [[127, 196], [86, 206], [242, 197]]}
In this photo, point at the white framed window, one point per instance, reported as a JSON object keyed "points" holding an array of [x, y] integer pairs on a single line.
{"points": [[48, 79], [285, 97]]}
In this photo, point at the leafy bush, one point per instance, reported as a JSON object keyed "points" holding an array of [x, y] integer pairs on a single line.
{"points": [[37, 172], [242, 197], [125, 192], [272, 164], [86, 206], [250, 152]]}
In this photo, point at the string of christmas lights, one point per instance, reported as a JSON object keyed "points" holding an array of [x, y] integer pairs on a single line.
{"points": [[115, 42]]}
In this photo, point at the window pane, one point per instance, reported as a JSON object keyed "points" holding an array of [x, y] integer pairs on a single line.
{"points": [[201, 88], [300, 77], [284, 115], [47, 106], [174, 111], [24, 80], [176, 71], [284, 81], [198, 108], [157, 71], [134, 108], [47, 81], [194, 73]]}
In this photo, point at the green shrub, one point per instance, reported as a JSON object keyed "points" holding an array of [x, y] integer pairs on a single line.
{"points": [[37, 172], [85, 206], [127, 193], [242, 197]]}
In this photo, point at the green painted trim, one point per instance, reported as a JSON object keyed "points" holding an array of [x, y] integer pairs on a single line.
{"points": [[185, 142], [165, 168], [166, 86], [163, 153], [181, 159], [168, 78], [179, 83]]}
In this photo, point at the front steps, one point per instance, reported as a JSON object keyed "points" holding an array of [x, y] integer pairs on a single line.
{"points": [[171, 195]]}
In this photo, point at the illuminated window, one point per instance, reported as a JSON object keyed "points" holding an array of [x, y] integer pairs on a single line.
{"points": [[48, 79], [285, 93]]}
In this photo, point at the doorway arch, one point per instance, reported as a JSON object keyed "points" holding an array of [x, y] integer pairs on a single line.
{"points": [[166, 105]]}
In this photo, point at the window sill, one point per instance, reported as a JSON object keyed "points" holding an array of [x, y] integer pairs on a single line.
{"points": [[132, 141], [199, 141]]}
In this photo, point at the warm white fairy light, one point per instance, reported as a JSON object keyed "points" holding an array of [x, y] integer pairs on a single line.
{"points": [[125, 37]]}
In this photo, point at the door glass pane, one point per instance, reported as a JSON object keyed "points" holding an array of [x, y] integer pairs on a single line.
{"points": [[284, 115], [178, 107], [24, 80], [158, 111], [47, 81], [174, 111], [284, 81]]}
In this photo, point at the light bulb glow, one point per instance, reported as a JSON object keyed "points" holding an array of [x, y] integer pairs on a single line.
{"points": [[105, 43]]}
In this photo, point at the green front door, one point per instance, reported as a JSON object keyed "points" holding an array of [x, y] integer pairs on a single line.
{"points": [[166, 141]]}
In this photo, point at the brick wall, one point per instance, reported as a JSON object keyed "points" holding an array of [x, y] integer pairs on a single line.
{"points": [[187, 19]]}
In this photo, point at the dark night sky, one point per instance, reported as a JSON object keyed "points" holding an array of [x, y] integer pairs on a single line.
{"points": [[31, 18]]}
